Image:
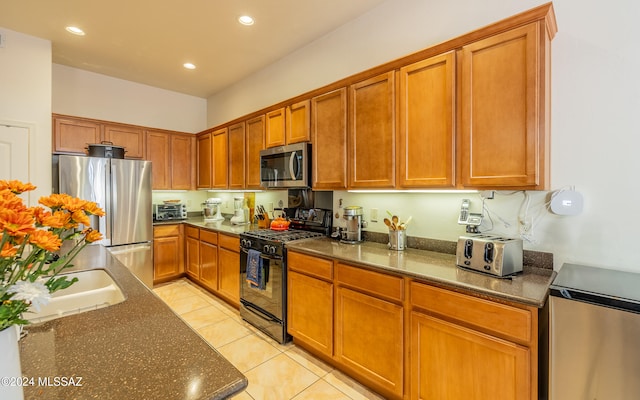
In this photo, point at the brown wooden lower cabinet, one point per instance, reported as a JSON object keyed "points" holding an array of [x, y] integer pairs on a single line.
{"points": [[213, 261], [168, 253], [229, 268], [409, 339]]}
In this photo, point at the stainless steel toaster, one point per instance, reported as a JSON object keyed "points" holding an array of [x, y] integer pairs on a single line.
{"points": [[489, 253]]}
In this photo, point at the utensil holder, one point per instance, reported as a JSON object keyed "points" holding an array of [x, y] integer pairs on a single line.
{"points": [[397, 240]]}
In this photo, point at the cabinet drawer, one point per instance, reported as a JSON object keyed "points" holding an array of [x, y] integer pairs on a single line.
{"points": [[229, 242], [318, 267], [192, 232], [166, 230], [378, 284], [503, 320], [208, 236]]}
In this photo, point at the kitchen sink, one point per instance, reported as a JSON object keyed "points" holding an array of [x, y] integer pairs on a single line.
{"points": [[95, 289]]}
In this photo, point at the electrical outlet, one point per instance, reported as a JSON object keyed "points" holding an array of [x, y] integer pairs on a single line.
{"points": [[374, 215]]}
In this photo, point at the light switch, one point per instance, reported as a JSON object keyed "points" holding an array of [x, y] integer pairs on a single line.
{"points": [[374, 215]]}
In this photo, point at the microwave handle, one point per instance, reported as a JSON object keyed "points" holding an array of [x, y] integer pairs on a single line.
{"points": [[293, 160]]}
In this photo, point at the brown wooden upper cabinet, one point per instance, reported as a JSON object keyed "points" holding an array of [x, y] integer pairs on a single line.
{"points": [[504, 123], [171, 154], [254, 143], [288, 125], [204, 160], [297, 122], [237, 156], [220, 158], [275, 128], [329, 136], [129, 137], [71, 135], [425, 156], [372, 132]]}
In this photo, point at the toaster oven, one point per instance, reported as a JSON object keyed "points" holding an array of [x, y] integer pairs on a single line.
{"points": [[491, 254], [168, 212]]}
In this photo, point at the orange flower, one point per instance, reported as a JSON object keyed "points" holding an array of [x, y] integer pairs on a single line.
{"points": [[15, 186], [55, 200], [92, 208], [8, 250], [9, 200], [73, 204], [59, 219], [16, 223], [92, 235], [80, 217], [45, 240]]}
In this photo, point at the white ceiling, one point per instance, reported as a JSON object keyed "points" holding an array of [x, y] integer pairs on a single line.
{"points": [[147, 41]]}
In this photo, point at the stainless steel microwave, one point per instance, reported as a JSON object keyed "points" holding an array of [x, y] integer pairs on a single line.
{"points": [[286, 166]]}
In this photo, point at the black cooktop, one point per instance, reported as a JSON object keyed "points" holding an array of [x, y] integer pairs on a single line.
{"points": [[281, 236]]}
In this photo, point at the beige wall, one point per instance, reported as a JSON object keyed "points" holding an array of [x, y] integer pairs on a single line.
{"points": [[87, 94], [595, 103]]}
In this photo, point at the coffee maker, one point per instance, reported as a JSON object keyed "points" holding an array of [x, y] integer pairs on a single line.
{"points": [[353, 232]]}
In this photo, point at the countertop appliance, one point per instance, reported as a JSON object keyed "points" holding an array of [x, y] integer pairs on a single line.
{"points": [[169, 212], [492, 254], [211, 209], [286, 166], [353, 233], [265, 306], [122, 188], [594, 334]]}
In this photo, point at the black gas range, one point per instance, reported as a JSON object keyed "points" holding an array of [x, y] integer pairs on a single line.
{"points": [[263, 270]]}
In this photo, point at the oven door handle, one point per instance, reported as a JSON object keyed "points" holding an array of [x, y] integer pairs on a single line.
{"points": [[262, 255], [250, 307]]}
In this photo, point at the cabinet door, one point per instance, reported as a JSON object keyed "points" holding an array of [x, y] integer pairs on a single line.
{"points": [[297, 119], [72, 135], [452, 362], [167, 257], [204, 149], [236, 156], [229, 275], [500, 88], [275, 128], [369, 339], [220, 159], [255, 143], [182, 165], [129, 137], [159, 153], [193, 257], [209, 265], [329, 136], [372, 134], [310, 311], [426, 136]]}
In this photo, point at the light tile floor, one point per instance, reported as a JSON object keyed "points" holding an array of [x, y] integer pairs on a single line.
{"points": [[274, 371]]}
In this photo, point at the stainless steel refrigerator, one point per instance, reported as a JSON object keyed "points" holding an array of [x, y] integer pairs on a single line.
{"points": [[122, 188]]}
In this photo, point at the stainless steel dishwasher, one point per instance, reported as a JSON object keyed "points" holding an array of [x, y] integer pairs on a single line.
{"points": [[595, 334]]}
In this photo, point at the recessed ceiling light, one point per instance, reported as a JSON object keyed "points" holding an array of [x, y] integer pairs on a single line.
{"points": [[189, 66], [75, 30], [245, 20]]}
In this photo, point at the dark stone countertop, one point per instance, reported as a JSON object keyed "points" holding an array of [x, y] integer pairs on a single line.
{"points": [[137, 349], [225, 226], [530, 287]]}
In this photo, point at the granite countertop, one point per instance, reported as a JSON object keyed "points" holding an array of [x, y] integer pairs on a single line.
{"points": [[220, 226], [530, 287], [137, 349]]}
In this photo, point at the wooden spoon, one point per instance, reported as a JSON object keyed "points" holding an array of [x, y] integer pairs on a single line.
{"points": [[394, 219], [389, 224]]}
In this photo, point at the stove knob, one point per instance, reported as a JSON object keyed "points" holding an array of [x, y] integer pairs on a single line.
{"points": [[272, 249], [266, 248]]}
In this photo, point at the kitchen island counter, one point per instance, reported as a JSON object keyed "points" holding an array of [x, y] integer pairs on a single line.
{"points": [[530, 287], [137, 349]]}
